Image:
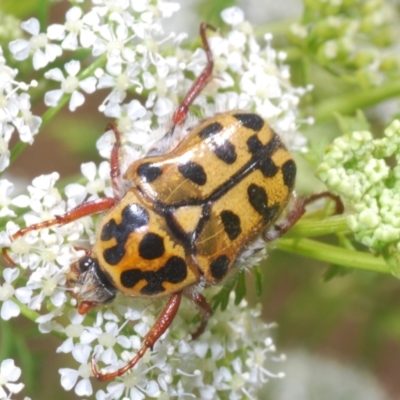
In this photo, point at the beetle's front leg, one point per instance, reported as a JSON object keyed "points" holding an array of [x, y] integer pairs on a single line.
{"points": [[163, 322], [83, 210]]}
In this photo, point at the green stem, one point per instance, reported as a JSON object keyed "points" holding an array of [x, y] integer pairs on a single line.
{"points": [[51, 112], [307, 227], [333, 254], [350, 102]]}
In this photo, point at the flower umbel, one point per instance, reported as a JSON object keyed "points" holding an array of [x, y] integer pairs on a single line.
{"points": [[355, 167]]}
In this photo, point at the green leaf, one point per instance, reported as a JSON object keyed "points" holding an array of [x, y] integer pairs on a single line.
{"points": [[240, 290], [349, 124], [392, 257], [221, 299], [258, 280], [334, 271]]}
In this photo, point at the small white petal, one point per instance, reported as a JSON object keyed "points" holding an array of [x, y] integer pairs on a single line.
{"points": [[88, 84], [77, 99], [9, 310], [39, 59], [55, 74], [89, 170], [84, 388], [70, 42], [31, 26], [232, 15], [163, 107], [21, 201], [68, 378], [87, 38], [73, 67], [66, 347], [73, 14], [15, 387], [9, 370], [52, 51], [10, 274], [20, 49], [56, 32], [23, 294], [75, 191], [52, 97]]}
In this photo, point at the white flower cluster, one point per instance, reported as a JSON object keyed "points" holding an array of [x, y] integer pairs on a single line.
{"points": [[9, 374], [230, 357], [15, 113], [354, 167], [129, 54]]}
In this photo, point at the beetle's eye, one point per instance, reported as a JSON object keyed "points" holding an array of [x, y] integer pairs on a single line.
{"points": [[85, 263]]}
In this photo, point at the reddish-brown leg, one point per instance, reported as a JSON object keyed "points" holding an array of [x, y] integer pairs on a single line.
{"points": [[164, 320], [92, 207], [199, 83], [116, 177], [298, 211], [205, 312]]}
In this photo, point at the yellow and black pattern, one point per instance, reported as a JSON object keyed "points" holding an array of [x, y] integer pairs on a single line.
{"points": [[193, 211]]}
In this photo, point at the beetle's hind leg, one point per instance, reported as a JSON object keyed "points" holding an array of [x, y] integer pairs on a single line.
{"points": [[297, 210], [167, 142], [205, 311]]}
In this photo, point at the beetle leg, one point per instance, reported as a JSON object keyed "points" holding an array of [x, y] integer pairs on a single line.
{"points": [[297, 211], [116, 176], [92, 207], [199, 83], [205, 312], [180, 113], [164, 320]]}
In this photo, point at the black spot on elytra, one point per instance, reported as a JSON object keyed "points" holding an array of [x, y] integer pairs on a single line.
{"points": [[258, 198], [265, 165], [151, 246], [210, 130], [254, 144], [289, 173], [174, 271], [134, 217], [194, 172], [219, 267], [268, 167], [231, 224], [226, 152], [149, 172], [250, 121]]}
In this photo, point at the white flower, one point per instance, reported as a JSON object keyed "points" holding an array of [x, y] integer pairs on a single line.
{"points": [[43, 52], [6, 188], [9, 373], [232, 15], [50, 280], [14, 111], [26, 123], [9, 308], [69, 85], [69, 377], [76, 26]]}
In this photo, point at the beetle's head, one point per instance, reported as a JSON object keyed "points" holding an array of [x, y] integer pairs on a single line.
{"points": [[90, 286]]}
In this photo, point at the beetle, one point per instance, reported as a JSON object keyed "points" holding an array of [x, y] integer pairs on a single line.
{"points": [[182, 216]]}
